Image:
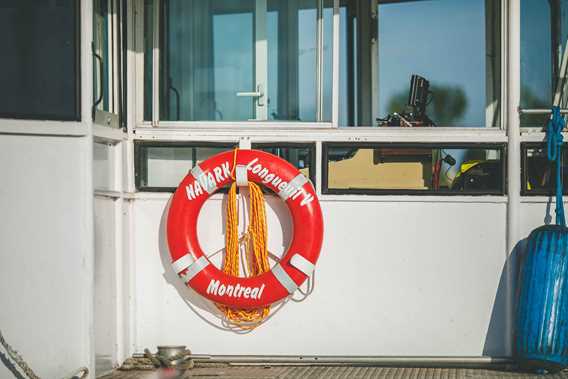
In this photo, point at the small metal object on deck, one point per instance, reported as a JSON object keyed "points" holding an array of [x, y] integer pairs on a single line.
{"points": [[171, 351]]}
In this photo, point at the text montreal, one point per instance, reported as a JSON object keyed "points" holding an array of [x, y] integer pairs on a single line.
{"points": [[216, 288]]}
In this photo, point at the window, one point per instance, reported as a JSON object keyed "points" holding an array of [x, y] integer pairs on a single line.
{"points": [[301, 155], [108, 65], [39, 69], [250, 60], [412, 169], [544, 31], [538, 174], [162, 166], [452, 46]]}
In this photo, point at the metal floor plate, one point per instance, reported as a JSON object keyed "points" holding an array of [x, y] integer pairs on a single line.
{"points": [[334, 372]]}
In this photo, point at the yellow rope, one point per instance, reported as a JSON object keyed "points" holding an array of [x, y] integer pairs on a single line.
{"points": [[255, 247]]}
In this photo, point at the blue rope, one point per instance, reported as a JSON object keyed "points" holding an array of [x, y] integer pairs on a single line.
{"points": [[554, 142]]}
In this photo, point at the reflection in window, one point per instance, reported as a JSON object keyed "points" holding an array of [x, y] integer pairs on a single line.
{"points": [[544, 30], [453, 44], [225, 60], [162, 167], [39, 65], [300, 155], [539, 175], [392, 169]]}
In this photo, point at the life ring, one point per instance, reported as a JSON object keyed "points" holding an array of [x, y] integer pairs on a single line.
{"points": [[192, 265]]}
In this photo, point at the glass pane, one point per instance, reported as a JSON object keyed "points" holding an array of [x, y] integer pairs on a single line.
{"points": [[165, 166], [539, 174], [38, 69], [299, 156], [411, 168], [104, 35], [327, 75], [544, 30], [453, 44], [207, 57], [223, 60]]}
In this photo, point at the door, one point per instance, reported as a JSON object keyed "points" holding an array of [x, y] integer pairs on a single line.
{"points": [[227, 60], [240, 61]]}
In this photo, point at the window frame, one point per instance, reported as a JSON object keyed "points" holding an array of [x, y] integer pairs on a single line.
{"points": [[524, 169], [254, 124], [117, 71], [290, 125], [141, 161], [558, 95], [311, 146], [325, 190], [292, 132]]}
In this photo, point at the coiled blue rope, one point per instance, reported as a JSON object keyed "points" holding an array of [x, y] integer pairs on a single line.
{"points": [[554, 142]]}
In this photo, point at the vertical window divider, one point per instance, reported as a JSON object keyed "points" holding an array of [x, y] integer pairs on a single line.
{"points": [[115, 73], [261, 60], [318, 166], [156, 64], [504, 65], [335, 66], [374, 61], [138, 31], [319, 61]]}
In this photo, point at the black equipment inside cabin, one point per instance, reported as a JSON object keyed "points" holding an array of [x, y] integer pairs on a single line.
{"points": [[419, 96]]}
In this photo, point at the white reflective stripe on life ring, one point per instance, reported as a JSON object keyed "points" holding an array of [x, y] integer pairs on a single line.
{"points": [[182, 263], [241, 175], [284, 279], [208, 185], [302, 264], [293, 186], [195, 268]]}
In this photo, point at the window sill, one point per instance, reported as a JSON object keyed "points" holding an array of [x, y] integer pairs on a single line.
{"points": [[265, 132], [44, 128]]}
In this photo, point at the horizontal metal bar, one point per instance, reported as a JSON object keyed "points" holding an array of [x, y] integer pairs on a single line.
{"points": [[249, 94], [421, 361], [108, 194], [539, 111], [358, 134]]}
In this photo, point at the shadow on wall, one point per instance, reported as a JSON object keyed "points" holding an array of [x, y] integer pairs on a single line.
{"points": [[499, 338], [500, 333], [195, 302]]}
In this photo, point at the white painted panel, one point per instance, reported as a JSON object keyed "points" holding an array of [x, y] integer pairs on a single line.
{"points": [[106, 306], [535, 214], [45, 251], [393, 279], [103, 174]]}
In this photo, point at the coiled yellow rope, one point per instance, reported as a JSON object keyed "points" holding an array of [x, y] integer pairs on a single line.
{"points": [[255, 248]]}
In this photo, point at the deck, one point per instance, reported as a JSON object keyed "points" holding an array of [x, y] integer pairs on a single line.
{"points": [[334, 372]]}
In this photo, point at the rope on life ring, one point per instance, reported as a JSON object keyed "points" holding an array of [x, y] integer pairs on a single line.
{"points": [[255, 248]]}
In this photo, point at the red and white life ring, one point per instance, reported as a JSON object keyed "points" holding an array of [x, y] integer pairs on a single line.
{"points": [[192, 265]]}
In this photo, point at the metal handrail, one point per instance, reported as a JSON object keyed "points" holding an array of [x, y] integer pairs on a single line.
{"points": [[539, 111], [101, 82]]}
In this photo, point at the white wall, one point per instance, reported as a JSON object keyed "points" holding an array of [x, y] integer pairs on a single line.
{"points": [[394, 278], [46, 251], [107, 265]]}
